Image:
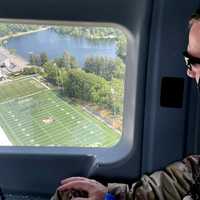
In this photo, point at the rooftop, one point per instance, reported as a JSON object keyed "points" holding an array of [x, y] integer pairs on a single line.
{"points": [[3, 58]]}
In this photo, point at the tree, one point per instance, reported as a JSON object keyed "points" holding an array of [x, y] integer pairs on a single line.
{"points": [[70, 61], [43, 58], [67, 61], [117, 96], [29, 71], [119, 72], [87, 87], [33, 59], [38, 60], [105, 67], [122, 47], [50, 71], [32, 70]]}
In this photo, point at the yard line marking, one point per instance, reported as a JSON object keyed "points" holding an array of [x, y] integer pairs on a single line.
{"points": [[18, 81], [98, 118], [22, 97], [10, 129], [22, 78], [53, 111], [86, 117], [61, 124], [41, 83], [29, 95], [44, 130]]}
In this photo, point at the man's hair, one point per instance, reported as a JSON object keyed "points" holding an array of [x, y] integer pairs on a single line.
{"points": [[196, 14], [194, 18]]}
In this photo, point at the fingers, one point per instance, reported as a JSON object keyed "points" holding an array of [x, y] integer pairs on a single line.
{"points": [[77, 185], [67, 180], [71, 179], [79, 198]]}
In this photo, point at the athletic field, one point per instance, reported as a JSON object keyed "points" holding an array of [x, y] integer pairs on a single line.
{"points": [[32, 114]]}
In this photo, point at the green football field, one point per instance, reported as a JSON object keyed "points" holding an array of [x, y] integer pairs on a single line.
{"points": [[32, 114]]}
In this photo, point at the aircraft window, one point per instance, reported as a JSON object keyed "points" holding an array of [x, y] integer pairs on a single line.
{"points": [[61, 85]]}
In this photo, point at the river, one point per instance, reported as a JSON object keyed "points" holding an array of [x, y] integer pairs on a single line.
{"points": [[55, 44]]}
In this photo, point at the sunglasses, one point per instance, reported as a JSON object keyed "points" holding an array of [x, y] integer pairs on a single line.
{"points": [[190, 60]]}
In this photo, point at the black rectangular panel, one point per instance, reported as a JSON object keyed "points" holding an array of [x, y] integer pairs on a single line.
{"points": [[172, 92]]}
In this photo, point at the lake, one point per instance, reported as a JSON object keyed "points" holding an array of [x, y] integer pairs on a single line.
{"points": [[55, 44]]}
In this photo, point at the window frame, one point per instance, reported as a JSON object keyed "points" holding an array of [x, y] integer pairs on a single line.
{"points": [[121, 162], [114, 153]]}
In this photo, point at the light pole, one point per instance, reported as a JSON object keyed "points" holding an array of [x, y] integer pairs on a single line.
{"points": [[113, 98]]}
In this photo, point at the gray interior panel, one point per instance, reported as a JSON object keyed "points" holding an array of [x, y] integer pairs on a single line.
{"points": [[165, 130], [39, 170]]}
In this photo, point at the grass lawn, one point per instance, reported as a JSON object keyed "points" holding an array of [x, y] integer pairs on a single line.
{"points": [[31, 114]]}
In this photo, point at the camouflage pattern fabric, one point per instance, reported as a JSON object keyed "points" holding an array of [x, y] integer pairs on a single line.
{"points": [[178, 181]]}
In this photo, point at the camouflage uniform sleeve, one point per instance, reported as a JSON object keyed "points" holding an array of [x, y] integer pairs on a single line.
{"points": [[173, 183]]}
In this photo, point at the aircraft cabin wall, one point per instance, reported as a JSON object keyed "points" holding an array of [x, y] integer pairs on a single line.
{"points": [[39, 170], [169, 123], [155, 130]]}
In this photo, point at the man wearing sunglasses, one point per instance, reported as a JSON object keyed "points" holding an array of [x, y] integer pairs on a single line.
{"points": [[193, 64], [192, 55], [180, 180]]}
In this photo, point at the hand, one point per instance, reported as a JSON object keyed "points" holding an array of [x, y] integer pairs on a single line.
{"points": [[95, 190]]}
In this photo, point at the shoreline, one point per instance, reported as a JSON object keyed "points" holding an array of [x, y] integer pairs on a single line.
{"points": [[20, 62], [23, 33]]}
